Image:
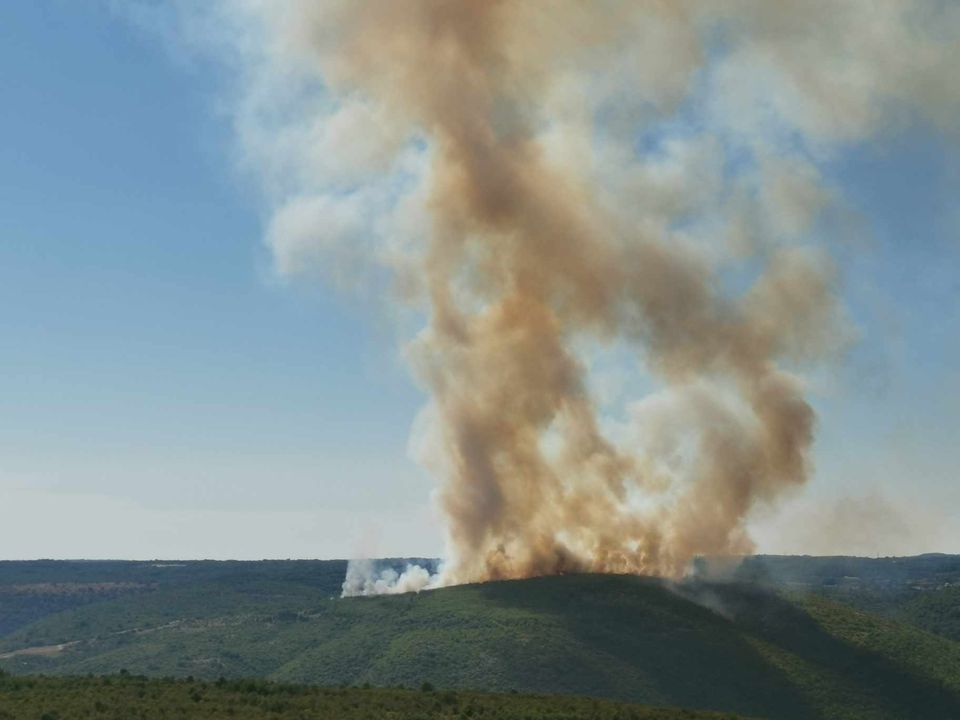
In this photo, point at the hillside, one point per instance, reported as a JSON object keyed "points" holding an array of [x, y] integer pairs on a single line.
{"points": [[721, 646], [923, 591], [125, 696], [32, 590], [937, 612], [919, 572]]}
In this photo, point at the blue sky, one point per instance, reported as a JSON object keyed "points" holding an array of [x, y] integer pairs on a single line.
{"points": [[149, 356], [163, 393]]}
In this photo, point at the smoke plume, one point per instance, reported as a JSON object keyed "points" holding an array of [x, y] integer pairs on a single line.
{"points": [[365, 578], [551, 185]]}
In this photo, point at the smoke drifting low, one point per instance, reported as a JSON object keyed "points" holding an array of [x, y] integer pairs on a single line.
{"points": [[548, 184], [365, 578]]}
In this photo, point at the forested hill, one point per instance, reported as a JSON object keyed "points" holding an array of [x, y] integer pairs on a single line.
{"points": [[729, 646], [31, 590]]}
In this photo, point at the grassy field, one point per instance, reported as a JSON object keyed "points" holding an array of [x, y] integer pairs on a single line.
{"points": [[125, 697], [722, 646]]}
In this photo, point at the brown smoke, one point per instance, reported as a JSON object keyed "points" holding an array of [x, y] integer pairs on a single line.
{"points": [[528, 258]]}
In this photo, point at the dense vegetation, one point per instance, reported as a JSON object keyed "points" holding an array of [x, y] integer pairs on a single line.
{"points": [[766, 650], [922, 572], [938, 612], [31, 590], [923, 591], [124, 697]]}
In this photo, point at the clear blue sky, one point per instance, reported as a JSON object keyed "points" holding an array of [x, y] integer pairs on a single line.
{"points": [[162, 393]]}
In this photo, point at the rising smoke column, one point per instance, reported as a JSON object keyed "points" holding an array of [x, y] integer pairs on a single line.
{"points": [[544, 179]]}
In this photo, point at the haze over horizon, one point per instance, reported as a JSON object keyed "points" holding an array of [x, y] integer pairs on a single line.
{"points": [[180, 382]]}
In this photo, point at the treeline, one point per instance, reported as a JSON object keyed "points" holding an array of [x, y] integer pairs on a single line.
{"points": [[125, 696]]}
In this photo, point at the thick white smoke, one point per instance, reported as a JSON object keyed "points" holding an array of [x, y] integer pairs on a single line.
{"points": [[365, 578]]}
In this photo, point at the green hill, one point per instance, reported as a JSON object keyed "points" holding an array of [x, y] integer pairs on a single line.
{"points": [[33, 589], [124, 697], [721, 646], [937, 612], [923, 590]]}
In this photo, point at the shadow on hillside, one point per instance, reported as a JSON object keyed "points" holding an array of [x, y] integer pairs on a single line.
{"points": [[876, 678], [682, 653], [676, 652]]}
